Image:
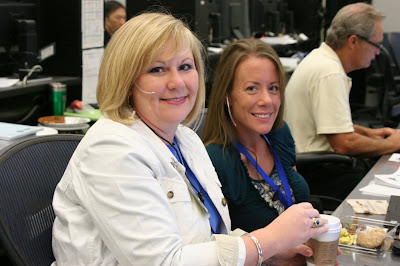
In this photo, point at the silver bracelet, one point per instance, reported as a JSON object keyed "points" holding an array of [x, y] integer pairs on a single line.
{"points": [[259, 250]]}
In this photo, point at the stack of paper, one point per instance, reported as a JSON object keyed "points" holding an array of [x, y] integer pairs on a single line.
{"points": [[289, 63], [384, 184], [6, 82], [388, 180], [9, 131], [369, 206], [279, 40]]}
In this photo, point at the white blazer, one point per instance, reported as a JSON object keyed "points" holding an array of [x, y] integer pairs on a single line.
{"points": [[124, 200]]}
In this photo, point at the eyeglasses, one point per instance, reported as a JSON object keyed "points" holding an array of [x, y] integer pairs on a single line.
{"points": [[377, 45]]}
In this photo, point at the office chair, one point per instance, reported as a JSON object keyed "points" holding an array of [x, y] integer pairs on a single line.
{"points": [[319, 170], [394, 49], [388, 88], [29, 172], [383, 80]]}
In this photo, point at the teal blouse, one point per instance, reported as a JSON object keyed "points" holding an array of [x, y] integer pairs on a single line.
{"points": [[250, 208]]}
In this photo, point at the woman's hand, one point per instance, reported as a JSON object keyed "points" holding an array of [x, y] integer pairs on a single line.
{"points": [[290, 229], [295, 225], [294, 256]]}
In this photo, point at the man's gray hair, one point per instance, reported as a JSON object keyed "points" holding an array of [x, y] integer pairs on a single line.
{"points": [[358, 18]]}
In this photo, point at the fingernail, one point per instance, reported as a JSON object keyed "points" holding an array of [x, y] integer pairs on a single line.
{"points": [[308, 252]]}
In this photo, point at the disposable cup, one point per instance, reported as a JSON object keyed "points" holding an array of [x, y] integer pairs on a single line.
{"points": [[325, 246]]}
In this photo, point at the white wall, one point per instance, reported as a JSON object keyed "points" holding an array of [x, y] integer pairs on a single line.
{"points": [[391, 9], [122, 2]]}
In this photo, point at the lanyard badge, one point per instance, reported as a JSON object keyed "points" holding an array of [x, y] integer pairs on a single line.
{"points": [[286, 200]]}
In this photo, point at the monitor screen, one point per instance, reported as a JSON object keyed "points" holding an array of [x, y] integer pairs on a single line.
{"points": [[17, 34], [230, 20], [268, 16], [194, 13], [9, 13]]}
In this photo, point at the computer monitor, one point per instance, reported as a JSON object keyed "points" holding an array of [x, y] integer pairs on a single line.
{"points": [[270, 16], [194, 13], [260, 22], [230, 20], [307, 19], [18, 35]]}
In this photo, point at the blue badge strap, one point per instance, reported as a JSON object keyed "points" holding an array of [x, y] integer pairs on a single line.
{"points": [[281, 173], [287, 201]]}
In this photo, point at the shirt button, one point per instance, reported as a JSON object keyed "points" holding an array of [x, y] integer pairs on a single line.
{"points": [[170, 194], [224, 202]]}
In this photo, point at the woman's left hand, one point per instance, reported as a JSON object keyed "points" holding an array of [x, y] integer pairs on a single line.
{"points": [[293, 256]]}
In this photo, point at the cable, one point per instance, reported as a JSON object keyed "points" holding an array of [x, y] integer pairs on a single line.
{"points": [[35, 68]]}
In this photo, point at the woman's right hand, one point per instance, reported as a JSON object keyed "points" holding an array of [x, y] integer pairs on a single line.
{"points": [[290, 229], [295, 225]]}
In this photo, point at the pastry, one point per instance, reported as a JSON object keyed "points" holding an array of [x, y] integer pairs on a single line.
{"points": [[371, 237]]}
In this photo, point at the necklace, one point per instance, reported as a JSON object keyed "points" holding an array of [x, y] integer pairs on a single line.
{"points": [[255, 155], [180, 159]]}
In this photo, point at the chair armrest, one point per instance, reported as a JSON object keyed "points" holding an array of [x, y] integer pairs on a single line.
{"points": [[323, 157]]}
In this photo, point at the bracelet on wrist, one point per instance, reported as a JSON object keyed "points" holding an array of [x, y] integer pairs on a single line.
{"points": [[259, 250]]}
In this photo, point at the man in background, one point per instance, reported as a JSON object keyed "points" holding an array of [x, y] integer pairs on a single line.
{"points": [[317, 97], [114, 18]]}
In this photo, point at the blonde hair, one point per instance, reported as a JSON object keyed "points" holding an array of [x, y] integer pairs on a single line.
{"points": [[358, 18], [218, 128], [133, 49]]}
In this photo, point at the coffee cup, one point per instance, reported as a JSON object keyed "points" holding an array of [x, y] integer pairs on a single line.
{"points": [[325, 245]]}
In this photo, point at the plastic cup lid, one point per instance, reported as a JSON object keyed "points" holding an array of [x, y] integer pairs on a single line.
{"points": [[333, 222]]}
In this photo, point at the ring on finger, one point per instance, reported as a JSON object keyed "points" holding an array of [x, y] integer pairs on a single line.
{"points": [[316, 222]]}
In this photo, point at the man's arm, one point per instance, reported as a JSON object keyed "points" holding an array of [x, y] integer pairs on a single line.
{"points": [[366, 142]]}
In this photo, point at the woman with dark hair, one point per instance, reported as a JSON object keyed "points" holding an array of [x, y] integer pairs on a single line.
{"points": [[114, 18], [249, 144]]}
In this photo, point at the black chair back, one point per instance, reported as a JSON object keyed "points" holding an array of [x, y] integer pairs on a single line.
{"points": [[394, 48], [391, 92], [29, 173]]}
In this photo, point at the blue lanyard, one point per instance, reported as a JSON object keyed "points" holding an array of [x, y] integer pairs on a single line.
{"points": [[287, 201], [215, 218]]}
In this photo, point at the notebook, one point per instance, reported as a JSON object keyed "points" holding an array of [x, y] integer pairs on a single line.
{"points": [[9, 131]]}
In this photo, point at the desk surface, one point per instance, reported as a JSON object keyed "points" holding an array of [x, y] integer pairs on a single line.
{"points": [[350, 257], [36, 86]]}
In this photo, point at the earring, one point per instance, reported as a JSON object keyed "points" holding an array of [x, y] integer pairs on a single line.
{"points": [[130, 100], [229, 111]]}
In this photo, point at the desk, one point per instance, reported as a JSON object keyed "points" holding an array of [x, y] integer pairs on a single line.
{"points": [[349, 257], [25, 104], [37, 86]]}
